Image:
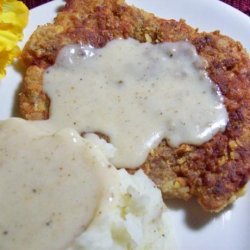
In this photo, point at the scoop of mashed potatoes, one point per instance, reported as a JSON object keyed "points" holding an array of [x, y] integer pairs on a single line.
{"points": [[134, 218], [74, 198]]}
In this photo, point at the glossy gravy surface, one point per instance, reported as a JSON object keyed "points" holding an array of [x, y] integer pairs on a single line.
{"points": [[137, 94], [50, 186]]}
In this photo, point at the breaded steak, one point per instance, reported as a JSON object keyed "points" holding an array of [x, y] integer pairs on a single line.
{"points": [[214, 172]]}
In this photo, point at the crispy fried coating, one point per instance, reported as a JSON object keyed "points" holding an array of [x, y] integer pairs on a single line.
{"points": [[215, 172]]}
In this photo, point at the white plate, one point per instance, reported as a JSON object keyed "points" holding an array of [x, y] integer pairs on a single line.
{"points": [[194, 229]]}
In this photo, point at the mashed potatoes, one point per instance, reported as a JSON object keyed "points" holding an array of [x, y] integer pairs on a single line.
{"points": [[73, 197], [136, 218]]}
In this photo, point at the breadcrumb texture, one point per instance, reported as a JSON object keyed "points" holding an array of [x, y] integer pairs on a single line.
{"points": [[215, 172]]}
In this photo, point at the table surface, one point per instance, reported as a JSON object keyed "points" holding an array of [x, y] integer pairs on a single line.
{"points": [[242, 5]]}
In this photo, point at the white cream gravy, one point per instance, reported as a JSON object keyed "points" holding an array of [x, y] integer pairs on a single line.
{"points": [[137, 94], [50, 186]]}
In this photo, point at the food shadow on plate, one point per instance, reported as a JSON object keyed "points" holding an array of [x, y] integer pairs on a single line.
{"points": [[61, 7], [195, 216], [18, 67]]}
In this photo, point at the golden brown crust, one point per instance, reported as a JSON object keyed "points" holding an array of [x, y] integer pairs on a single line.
{"points": [[214, 172]]}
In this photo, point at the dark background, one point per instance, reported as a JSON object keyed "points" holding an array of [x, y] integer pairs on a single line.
{"points": [[242, 5]]}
